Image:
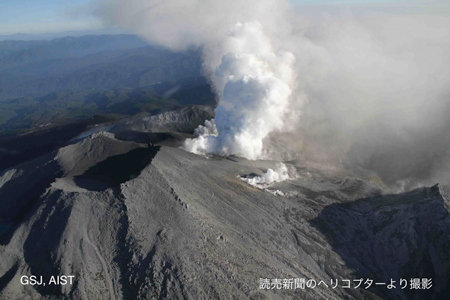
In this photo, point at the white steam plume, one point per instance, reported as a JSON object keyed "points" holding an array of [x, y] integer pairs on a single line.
{"points": [[254, 85], [277, 175], [253, 78], [372, 82]]}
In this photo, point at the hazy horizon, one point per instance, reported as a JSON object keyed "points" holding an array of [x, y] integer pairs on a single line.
{"points": [[57, 17]]}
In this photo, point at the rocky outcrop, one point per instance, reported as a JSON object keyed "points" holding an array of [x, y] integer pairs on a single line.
{"points": [[184, 120]]}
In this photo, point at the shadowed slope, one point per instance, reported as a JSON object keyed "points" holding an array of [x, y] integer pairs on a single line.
{"points": [[116, 169]]}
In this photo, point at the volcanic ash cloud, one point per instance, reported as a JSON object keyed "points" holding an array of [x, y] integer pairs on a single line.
{"points": [[254, 84]]}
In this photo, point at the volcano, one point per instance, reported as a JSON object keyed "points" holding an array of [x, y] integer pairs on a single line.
{"points": [[133, 219]]}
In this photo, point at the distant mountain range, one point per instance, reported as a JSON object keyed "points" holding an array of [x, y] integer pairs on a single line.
{"points": [[55, 35], [15, 53], [36, 68], [54, 81]]}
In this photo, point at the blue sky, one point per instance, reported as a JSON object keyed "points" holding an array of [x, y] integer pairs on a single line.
{"points": [[44, 16], [37, 16]]}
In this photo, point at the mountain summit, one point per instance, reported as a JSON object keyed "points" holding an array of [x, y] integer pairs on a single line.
{"points": [[133, 220]]}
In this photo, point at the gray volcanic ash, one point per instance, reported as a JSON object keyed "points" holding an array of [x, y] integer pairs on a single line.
{"points": [[131, 222]]}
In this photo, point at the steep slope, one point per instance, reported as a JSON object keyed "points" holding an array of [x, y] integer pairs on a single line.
{"points": [[174, 225], [21, 186], [395, 236]]}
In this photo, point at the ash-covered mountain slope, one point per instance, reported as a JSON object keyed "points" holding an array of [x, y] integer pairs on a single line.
{"points": [[184, 119], [21, 186], [139, 221], [394, 236]]}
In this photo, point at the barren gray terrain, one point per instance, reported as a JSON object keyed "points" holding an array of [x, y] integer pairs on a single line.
{"points": [[142, 220]]}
